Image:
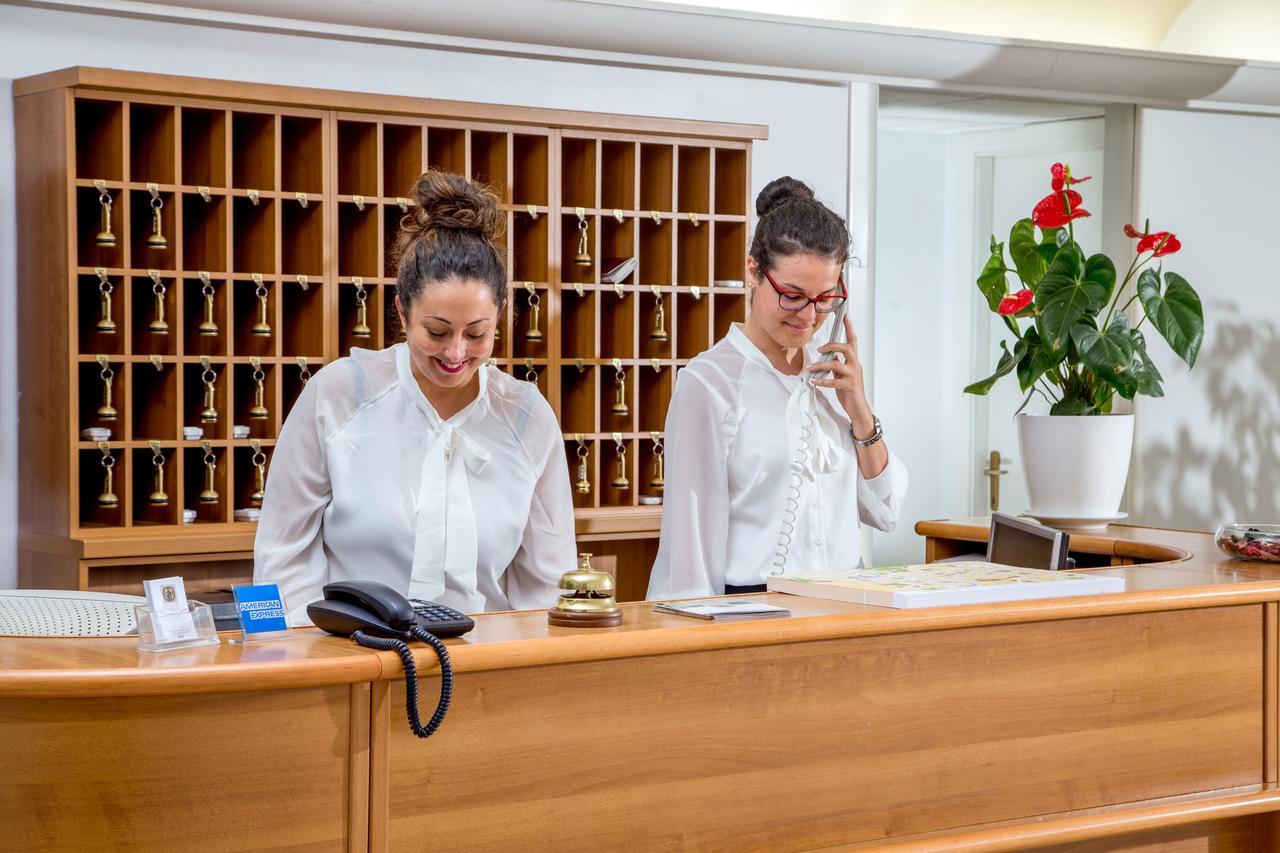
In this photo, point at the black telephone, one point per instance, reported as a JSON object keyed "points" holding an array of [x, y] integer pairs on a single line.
{"points": [[380, 611], [377, 617]]}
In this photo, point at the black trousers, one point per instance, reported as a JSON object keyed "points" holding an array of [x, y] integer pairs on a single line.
{"points": [[730, 589]]}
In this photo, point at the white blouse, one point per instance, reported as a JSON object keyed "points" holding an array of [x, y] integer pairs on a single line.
{"points": [[736, 505], [368, 482]]}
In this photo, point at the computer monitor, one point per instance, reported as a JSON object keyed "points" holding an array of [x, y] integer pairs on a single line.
{"points": [[1016, 542]]}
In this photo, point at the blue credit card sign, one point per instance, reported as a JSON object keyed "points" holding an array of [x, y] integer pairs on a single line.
{"points": [[261, 608]]}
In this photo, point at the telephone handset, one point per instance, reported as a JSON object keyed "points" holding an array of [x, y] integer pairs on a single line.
{"points": [[380, 611], [377, 617], [837, 329], [791, 506]]}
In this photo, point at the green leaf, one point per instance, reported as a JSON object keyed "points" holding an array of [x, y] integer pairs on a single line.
{"points": [[991, 280], [1050, 241], [1072, 406], [1069, 291], [1022, 248], [1176, 313], [1101, 272], [1006, 364], [1143, 370], [1107, 354], [1037, 361]]}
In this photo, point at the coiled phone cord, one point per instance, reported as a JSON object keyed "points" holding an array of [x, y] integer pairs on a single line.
{"points": [[791, 507], [401, 648]]}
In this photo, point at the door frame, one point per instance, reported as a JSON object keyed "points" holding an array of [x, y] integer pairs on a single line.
{"points": [[970, 166]]}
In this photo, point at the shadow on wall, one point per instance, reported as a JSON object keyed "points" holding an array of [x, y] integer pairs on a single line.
{"points": [[1199, 483]]}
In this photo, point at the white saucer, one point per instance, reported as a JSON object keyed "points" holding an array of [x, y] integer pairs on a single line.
{"points": [[1073, 523]]}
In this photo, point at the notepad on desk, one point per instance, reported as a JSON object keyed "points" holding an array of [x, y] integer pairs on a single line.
{"points": [[722, 609], [942, 584]]}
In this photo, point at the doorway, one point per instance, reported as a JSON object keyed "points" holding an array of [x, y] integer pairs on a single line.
{"points": [[952, 171]]}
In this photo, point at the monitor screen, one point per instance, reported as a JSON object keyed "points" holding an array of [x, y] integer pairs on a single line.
{"points": [[1015, 542]]}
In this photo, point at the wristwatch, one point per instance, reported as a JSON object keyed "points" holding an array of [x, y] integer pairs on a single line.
{"points": [[875, 436]]}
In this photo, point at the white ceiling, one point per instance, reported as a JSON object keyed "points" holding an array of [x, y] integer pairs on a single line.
{"points": [[915, 111], [649, 33], [1234, 29]]}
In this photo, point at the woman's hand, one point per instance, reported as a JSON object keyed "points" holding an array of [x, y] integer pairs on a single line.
{"points": [[844, 374]]}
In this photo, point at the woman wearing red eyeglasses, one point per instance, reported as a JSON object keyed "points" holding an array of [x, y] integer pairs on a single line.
{"points": [[774, 455]]}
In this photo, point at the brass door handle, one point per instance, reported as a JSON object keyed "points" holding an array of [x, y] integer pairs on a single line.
{"points": [[993, 473]]}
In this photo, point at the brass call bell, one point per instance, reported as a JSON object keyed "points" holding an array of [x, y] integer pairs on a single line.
{"points": [[586, 599]]}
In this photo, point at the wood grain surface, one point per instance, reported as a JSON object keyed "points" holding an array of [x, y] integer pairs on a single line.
{"points": [[246, 771], [838, 741]]}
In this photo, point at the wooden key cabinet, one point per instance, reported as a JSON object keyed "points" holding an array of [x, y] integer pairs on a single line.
{"points": [[198, 248]]}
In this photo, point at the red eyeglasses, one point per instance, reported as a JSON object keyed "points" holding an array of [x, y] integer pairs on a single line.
{"points": [[795, 301]]}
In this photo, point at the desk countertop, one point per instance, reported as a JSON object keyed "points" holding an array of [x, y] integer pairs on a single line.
{"points": [[1193, 574]]}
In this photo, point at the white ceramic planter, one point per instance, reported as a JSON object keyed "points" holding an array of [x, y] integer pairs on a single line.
{"points": [[1075, 466]]}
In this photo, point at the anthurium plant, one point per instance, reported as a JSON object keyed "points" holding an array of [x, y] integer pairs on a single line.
{"points": [[1073, 340]]}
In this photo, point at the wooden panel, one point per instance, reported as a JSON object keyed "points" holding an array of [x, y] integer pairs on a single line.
{"points": [[839, 741], [58, 667], [246, 770], [173, 84], [48, 571], [358, 770], [44, 349], [1240, 834]]}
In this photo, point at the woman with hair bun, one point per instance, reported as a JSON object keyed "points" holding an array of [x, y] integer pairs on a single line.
{"points": [[774, 455], [420, 465]]}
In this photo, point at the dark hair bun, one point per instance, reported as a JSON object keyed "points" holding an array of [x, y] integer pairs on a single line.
{"points": [[781, 191], [449, 201], [452, 233]]}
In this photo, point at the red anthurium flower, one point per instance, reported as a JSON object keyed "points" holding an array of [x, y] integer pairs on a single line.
{"points": [[1159, 243], [1011, 305], [1166, 245], [1054, 211], [1062, 177]]}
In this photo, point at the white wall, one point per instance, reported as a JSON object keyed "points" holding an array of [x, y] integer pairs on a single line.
{"points": [[933, 337], [1209, 450], [918, 313], [808, 123]]}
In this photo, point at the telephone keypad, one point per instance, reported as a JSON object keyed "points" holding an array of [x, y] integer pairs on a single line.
{"points": [[442, 621]]}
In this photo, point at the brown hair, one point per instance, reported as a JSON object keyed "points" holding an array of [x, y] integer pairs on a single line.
{"points": [[792, 221], [452, 232]]}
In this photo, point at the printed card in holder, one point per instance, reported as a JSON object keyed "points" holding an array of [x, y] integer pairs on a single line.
{"points": [[169, 621], [262, 612]]}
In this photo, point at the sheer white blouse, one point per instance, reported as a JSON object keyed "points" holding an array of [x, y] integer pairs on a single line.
{"points": [[760, 473], [368, 482]]}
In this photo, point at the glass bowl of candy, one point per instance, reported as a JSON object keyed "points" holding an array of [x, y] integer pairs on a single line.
{"points": [[1260, 542]]}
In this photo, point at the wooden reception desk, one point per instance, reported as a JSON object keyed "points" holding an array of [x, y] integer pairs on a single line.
{"points": [[1145, 720]]}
